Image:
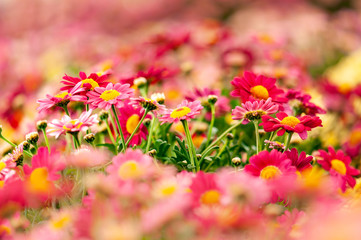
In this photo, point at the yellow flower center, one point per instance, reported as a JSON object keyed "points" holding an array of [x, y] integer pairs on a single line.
{"points": [[259, 92], [338, 166], [211, 197], [2, 183], [265, 38], [60, 222], [75, 123], [132, 123], [355, 137], [2, 166], [169, 190], [108, 95], [93, 83], [39, 180], [130, 170], [4, 230], [62, 95], [173, 94], [270, 172], [180, 112], [344, 88], [290, 121]]}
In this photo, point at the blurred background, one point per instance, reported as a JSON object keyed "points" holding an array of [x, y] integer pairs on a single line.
{"points": [[185, 43]]}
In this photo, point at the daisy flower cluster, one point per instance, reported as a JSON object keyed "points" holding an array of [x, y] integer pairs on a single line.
{"points": [[196, 126]]}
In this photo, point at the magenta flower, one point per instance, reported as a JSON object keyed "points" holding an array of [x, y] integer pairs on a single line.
{"points": [[66, 124], [104, 98], [301, 162], [62, 99], [184, 111], [87, 82], [254, 110]]}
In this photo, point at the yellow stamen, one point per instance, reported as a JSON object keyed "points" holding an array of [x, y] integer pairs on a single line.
{"points": [[338, 166], [62, 95], [211, 197], [39, 180], [168, 190], [2, 166], [259, 92], [75, 123], [130, 170], [108, 95], [270, 172], [60, 222], [4, 230], [180, 112], [2, 184], [132, 123], [93, 83], [290, 121]]}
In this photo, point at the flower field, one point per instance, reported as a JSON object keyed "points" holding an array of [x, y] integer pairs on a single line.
{"points": [[182, 119]]}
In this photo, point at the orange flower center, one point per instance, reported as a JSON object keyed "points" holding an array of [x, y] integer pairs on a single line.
{"points": [[130, 170], [270, 172], [2, 166], [108, 95], [210, 197], [180, 112], [290, 121], [39, 180], [93, 83], [338, 166], [132, 123], [259, 92], [355, 137]]}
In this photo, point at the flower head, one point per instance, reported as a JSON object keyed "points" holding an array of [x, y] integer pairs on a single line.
{"points": [[62, 99], [254, 110], [338, 164], [301, 103], [66, 124], [301, 162], [253, 87], [16, 157], [151, 104], [270, 165], [87, 82], [287, 123], [105, 97], [184, 111]]}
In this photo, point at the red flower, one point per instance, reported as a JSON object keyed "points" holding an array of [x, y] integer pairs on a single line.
{"points": [[269, 165], [88, 82], [253, 87], [287, 123], [301, 162], [303, 104], [338, 164]]}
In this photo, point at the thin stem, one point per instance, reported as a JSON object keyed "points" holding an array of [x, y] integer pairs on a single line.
{"points": [[119, 127], [270, 139], [213, 112], [46, 139], [257, 135], [137, 127], [6, 140], [222, 136], [152, 123], [190, 146], [111, 136], [218, 154], [75, 140], [66, 110], [287, 144], [87, 109]]}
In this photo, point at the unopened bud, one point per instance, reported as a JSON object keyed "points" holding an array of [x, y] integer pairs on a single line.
{"points": [[236, 161], [32, 137], [229, 136], [199, 156], [104, 115], [152, 152], [26, 145], [42, 124], [140, 82], [89, 138], [1, 129], [212, 99], [159, 97], [147, 122]]}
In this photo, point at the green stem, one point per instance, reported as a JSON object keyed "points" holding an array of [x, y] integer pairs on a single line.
{"points": [[75, 140], [287, 144], [111, 136], [218, 154], [120, 128], [213, 112], [66, 110], [87, 109], [191, 149], [137, 127], [46, 139], [222, 136], [6, 140], [270, 139], [257, 135], [152, 123]]}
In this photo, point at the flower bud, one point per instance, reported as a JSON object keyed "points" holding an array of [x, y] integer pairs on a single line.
{"points": [[199, 156], [89, 138], [152, 152], [147, 122], [32, 137], [104, 115], [140, 82], [42, 125], [159, 97], [229, 136], [26, 145], [212, 99], [236, 161], [1, 129]]}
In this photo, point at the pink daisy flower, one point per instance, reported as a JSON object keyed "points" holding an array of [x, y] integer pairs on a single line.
{"points": [[151, 104], [105, 97], [66, 124], [87, 82], [338, 164], [287, 123], [270, 165], [253, 87], [132, 165], [184, 111], [301, 162], [251, 111], [62, 99], [16, 156], [129, 118], [301, 103]]}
